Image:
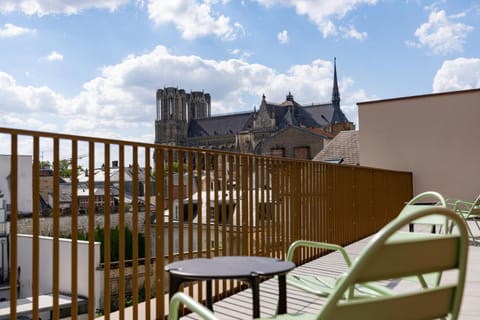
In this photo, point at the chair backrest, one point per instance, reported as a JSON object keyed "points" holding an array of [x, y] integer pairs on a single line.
{"points": [[476, 207], [428, 198], [395, 254], [423, 200]]}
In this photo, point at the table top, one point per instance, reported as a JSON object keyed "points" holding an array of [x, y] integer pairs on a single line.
{"points": [[226, 267]]}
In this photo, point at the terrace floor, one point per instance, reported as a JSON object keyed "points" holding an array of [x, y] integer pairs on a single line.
{"points": [[239, 306]]}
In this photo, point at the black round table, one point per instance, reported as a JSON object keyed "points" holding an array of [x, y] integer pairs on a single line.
{"points": [[244, 268]]}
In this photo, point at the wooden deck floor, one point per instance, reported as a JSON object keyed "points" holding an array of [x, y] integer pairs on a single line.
{"points": [[239, 306]]}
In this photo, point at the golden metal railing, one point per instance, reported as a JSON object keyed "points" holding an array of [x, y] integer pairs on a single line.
{"points": [[186, 202]]}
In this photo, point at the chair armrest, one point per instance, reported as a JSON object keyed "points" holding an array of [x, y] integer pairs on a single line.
{"points": [[191, 304], [451, 202], [319, 245], [462, 206]]}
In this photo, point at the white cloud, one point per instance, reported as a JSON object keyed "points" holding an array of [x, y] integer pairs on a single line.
{"points": [[22, 99], [282, 36], [10, 30], [194, 19], [54, 56], [321, 12], [240, 54], [46, 7], [441, 34], [130, 85], [121, 100], [353, 33], [312, 83], [457, 74]]}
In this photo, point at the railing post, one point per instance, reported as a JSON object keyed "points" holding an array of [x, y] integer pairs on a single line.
{"points": [[296, 207]]}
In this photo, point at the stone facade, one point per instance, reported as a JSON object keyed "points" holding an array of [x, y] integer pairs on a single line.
{"points": [[293, 142]]}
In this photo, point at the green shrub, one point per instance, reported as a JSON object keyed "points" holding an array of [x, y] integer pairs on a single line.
{"points": [[115, 243]]}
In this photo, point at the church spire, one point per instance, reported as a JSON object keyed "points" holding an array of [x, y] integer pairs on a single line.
{"points": [[335, 91], [338, 115]]}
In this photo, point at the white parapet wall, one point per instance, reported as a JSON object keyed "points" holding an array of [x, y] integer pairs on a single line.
{"points": [[45, 266]]}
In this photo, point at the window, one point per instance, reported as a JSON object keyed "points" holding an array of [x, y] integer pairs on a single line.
{"points": [[277, 152], [301, 153]]}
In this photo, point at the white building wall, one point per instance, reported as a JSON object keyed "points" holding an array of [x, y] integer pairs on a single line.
{"points": [[24, 182], [46, 267]]}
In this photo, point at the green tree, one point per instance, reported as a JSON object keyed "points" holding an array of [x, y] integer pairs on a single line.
{"points": [[65, 170]]}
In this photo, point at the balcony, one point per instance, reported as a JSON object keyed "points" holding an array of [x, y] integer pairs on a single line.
{"points": [[161, 204], [239, 306]]}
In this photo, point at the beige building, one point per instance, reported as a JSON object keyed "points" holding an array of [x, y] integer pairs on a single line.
{"points": [[435, 136]]}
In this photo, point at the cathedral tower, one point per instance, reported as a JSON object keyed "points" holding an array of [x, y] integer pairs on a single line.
{"points": [[175, 109], [171, 123]]}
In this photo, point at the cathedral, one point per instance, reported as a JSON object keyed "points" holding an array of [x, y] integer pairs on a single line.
{"points": [[286, 129]]}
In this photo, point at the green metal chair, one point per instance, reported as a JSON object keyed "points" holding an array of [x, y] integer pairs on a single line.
{"points": [[469, 211], [391, 254], [423, 200], [323, 286], [427, 199]]}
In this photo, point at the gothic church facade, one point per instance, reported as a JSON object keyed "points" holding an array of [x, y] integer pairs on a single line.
{"points": [[286, 129]]}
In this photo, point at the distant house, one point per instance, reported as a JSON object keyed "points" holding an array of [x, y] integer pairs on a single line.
{"points": [[83, 197], [65, 197], [83, 194]]}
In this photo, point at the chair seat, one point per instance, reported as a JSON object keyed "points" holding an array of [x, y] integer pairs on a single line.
{"points": [[323, 286]]}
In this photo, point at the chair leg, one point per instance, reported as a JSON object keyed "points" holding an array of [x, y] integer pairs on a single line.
{"points": [[474, 240], [475, 220]]}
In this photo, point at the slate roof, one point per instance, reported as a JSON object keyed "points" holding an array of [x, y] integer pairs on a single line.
{"points": [[344, 146], [220, 125], [288, 113], [305, 130], [322, 113], [315, 115]]}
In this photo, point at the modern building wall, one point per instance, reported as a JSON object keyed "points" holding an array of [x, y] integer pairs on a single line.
{"points": [[435, 136]]}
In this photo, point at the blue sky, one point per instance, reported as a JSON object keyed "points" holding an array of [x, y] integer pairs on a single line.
{"points": [[92, 67]]}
